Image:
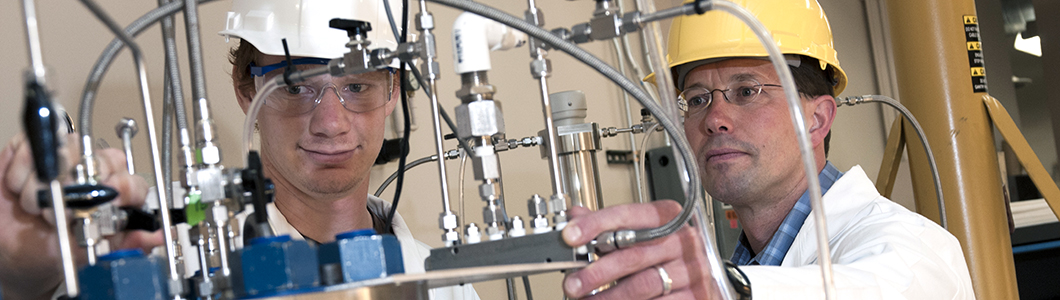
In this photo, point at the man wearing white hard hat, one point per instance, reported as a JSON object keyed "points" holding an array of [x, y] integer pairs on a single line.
{"points": [[320, 138], [738, 124]]}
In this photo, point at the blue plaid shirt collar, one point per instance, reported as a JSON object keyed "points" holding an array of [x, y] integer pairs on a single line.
{"points": [[774, 252]]}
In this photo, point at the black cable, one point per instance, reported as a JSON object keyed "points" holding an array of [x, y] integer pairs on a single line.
{"points": [[416, 74], [441, 111], [526, 286], [394, 175], [403, 78]]}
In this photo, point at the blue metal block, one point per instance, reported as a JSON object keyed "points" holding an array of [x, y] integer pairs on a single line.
{"points": [[278, 264], [364, 255], [124, 275]]}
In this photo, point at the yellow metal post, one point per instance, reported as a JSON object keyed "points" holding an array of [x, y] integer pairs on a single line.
{"points": [[892, 158], [942, 81], [1024, 153]]}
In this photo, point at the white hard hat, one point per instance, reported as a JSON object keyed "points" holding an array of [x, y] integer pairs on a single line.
{"points": [[304, 23]]}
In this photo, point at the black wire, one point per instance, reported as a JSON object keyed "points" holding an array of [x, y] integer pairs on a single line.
{"points": [[441, 110], [416, 74], [403, 78]]}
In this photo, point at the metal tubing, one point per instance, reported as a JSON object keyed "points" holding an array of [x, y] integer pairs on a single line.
{"points": [[637, 176], [145, 95], [173, 99], [919, 134], [36, 60], [550, 129], [436, 122], [610, 73], [438, 148], [126, 145], [539, 56], [69, 270], [195, 62], [95, 76], [55, 189], [666, 14], [931, 59]]}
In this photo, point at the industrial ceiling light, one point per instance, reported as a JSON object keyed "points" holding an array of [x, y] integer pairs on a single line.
{"points": [[1032, 45]]}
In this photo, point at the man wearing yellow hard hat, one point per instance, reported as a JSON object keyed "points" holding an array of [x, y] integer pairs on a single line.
{"points": [[738, 124]]}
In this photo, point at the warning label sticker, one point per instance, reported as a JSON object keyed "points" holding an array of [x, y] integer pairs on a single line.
{"points": [[975, 53], [978, 71]]}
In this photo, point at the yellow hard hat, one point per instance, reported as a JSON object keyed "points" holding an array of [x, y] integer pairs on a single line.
{"points": [[798, 27]]}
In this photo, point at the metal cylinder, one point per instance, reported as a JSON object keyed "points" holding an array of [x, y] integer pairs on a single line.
{"points": [[582, 181], [577, 145], [934, 45]]}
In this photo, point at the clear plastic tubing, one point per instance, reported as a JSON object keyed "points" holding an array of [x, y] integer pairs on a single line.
{"points": [[824, 254]]}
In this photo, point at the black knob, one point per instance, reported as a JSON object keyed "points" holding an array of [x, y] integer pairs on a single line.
{"points": [[80, 196], [260, 187], [352, 27], [41, 121]]}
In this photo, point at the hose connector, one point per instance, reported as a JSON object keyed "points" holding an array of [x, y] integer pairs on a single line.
{"points": [[610, 241]]}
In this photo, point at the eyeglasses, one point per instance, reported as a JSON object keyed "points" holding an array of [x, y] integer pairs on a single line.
{"points": [[357, 93], [696, 100]]}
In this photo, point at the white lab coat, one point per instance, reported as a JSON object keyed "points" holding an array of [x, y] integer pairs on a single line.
{"points": [[413, 252], [880, 250]]}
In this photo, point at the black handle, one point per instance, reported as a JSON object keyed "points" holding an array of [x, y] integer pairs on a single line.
{"points": [[260, 187], [41, 122], [80, 196], [352, 27], [137, 219]]}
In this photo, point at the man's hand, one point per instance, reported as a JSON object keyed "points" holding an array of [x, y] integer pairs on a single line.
{"points": [[635, 268], [29, 248]]}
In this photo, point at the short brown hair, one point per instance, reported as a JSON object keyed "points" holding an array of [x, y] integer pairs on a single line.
{"points": [[811, 81], [241, 57]]}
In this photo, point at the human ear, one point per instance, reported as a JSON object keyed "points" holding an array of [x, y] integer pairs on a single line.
{"points": [[243, 94], [824, 108]]}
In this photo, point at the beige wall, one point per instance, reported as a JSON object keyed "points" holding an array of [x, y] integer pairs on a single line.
{"points": [[72, 40]]}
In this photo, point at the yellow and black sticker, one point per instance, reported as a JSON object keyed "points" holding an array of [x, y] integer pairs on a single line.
{"points": [[975, 53], [978, 71]]}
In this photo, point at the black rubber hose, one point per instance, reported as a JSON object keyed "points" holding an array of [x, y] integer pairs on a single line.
{"points": [[405, 111]]}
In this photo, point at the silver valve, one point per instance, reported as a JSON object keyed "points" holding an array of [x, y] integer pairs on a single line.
{"points": [[538, 209], [472, 233], [126, 130], [518, 228]]}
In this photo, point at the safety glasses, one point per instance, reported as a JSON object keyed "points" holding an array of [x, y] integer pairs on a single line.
{"points": [[357, 93], [695, 100]]}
